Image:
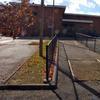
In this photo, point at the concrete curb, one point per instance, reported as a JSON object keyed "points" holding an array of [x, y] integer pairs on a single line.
{"points": [[28, 87], [55, 76]]}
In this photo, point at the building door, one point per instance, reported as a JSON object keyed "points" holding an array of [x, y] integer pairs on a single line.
{"points": [[69, 30]]}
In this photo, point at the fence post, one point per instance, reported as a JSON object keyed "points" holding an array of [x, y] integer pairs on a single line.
{"points": [[47, 71], [87, 42], [95, 44], [50, 51]]}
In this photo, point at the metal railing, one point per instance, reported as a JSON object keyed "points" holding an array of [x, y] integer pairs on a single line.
{"points": [[93, 43], [50, 55]]}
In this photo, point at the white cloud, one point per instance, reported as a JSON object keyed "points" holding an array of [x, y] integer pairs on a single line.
{"points": [[74, 11], [85, 3], [70, 10], [91, 5], [50, 2], [35, 1], [74, 6], [97, 2], [59, 1], [5, 1], [94, 13], [82, 2]]}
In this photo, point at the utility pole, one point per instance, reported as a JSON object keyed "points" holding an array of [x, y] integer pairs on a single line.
{"points": [[53, 17], [41, 29]]}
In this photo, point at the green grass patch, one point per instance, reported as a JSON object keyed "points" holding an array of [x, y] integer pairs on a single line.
{"points": [[31, 71]]}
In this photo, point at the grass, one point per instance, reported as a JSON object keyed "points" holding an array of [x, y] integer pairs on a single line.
{"points": [[32, 70]]}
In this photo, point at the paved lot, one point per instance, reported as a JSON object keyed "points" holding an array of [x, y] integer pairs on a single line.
{"points": [[12, 54], [67, 88], [65, 91], [93, 44], [86, 67], [85, 63], [5, 40]]}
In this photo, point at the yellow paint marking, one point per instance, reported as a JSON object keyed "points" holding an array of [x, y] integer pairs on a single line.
{"points": [[71, 68]]}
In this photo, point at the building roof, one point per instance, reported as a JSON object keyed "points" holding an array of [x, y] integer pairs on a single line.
{"points": [[77, 21], [33, 4], [86, 15], [50, 6], [57, 6]]}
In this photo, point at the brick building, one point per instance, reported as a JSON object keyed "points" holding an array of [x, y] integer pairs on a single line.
{"points": [[87, 24], [52, 19], [56, 20]]}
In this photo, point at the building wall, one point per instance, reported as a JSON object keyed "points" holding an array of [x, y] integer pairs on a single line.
{"points": [[34, 30], [95, 19], [52, 18]]}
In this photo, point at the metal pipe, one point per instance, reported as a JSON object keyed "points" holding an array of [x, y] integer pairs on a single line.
{"points": [[95, 44], [47, 71]]}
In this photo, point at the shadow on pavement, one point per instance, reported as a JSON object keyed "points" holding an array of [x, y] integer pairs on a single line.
{"points": [[93, 91], [57, 95]]}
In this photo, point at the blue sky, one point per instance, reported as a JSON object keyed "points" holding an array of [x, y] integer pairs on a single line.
{"points": [[91, 7]]}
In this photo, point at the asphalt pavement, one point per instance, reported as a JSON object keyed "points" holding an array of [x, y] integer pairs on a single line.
{"points": [[85, 67], [12, 54], [68, 89]]}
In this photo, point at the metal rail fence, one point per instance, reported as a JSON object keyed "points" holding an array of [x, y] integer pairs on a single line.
{"points": [[50, 55], [93, 43]]}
